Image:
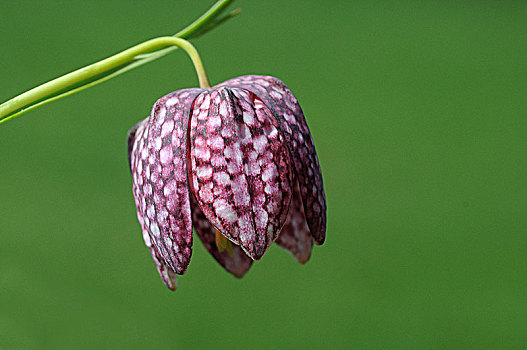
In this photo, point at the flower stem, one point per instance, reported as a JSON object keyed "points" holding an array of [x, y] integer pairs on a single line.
{"points": [[118, 64], [100, 67]]}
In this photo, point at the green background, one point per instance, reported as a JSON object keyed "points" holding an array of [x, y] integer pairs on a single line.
{"points": [[418, 111]]}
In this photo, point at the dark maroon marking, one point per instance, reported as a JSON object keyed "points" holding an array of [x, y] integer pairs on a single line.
{"points": [[295, 236]]}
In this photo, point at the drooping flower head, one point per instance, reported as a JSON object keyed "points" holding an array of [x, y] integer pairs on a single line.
{"points": [[236, 163]]}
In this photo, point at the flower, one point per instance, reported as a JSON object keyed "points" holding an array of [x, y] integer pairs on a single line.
{"points": [[237, 163]]}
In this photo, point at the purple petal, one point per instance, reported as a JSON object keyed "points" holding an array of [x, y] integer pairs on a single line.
{"points": [[159, 173], [168, 275], [295, 236], [237, 264], [291, 122], [241, 171], [131, 139]]}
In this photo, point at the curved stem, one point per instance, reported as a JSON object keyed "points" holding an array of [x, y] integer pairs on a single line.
{"points": [[47, 93], [100, 67], [204, 19]]}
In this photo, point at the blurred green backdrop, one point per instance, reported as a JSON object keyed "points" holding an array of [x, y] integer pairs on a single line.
{"points": [[418, 112]]}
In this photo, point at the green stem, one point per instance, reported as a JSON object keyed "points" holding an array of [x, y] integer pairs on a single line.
{"points": [[208, 16], [118, 64], [103, 66]]}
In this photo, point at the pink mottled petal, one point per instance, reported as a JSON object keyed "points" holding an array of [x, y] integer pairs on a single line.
{"points": [[238, 264], [295, 236], [159, 174], [241, 171], [168, 275], [291, 122], [131, 139]]}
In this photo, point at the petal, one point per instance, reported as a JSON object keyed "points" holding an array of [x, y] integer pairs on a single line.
{"points": [[168, 275], [159, 172], [295, 236], [131, 139], [240, 171], [237, 264], [291, 122]]}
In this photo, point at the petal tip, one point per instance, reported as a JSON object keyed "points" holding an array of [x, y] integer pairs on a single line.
{"points": [[170, 282], [303, 260], [239, 274]]}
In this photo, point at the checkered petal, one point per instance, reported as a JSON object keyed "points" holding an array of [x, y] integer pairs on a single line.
{"points": [[238, 264], [295, 236], [240, 171], [292, 124], [158, 158]]}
